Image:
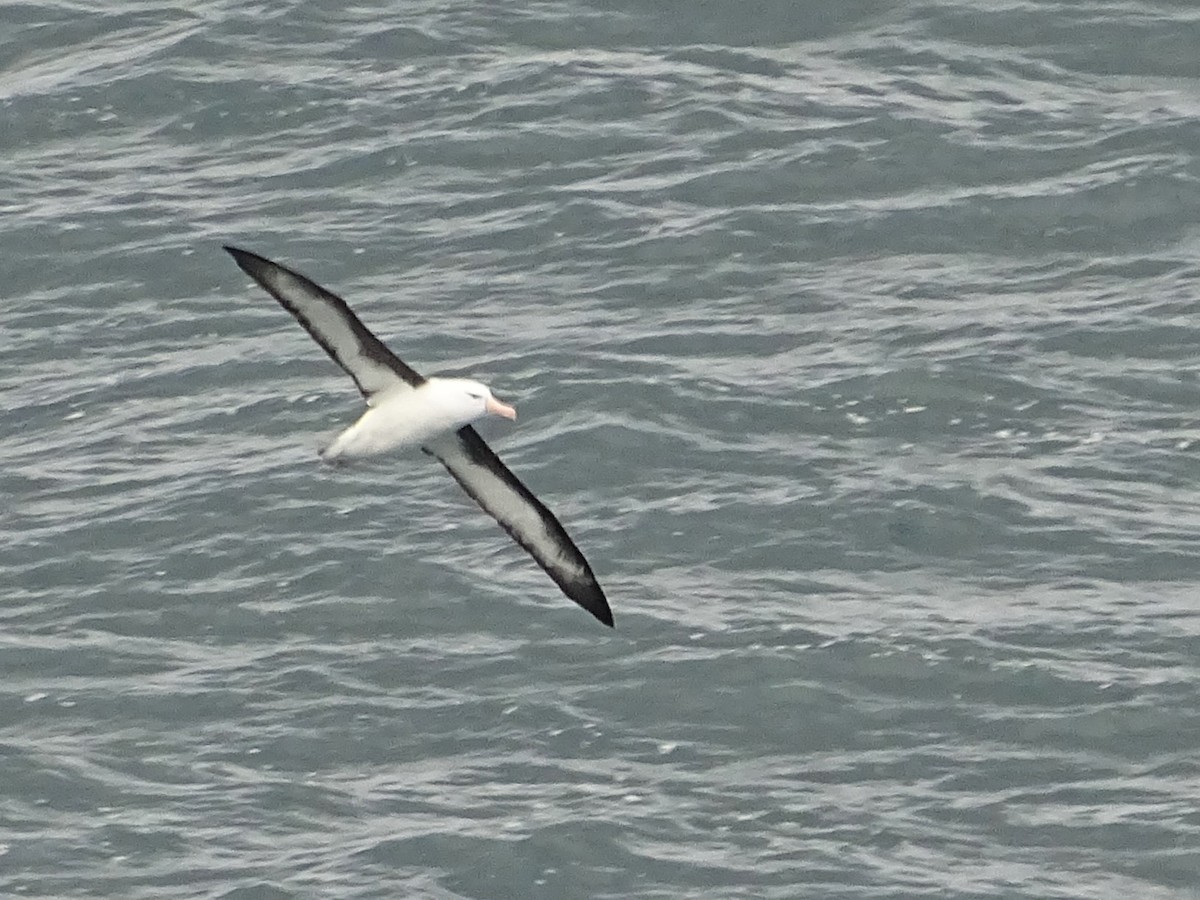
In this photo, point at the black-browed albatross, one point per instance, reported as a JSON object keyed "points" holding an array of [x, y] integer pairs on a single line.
{"points": [[405, 408]]}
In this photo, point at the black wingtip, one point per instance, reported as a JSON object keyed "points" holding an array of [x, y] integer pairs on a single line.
{"points": [[244, 258], [259, 268], [602, 612], [591, 598]]}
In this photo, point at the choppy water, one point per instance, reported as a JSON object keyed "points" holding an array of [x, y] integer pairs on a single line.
{"points": [[856, 343]]}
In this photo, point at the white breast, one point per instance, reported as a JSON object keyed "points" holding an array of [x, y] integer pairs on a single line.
{"points": [[404, 418]]}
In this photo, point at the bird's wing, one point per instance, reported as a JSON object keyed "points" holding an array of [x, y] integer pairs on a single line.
{"points": [[332, 324], [524, 516]]}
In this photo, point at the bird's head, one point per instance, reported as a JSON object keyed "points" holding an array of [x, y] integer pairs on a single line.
{"points": [[468, 400]]}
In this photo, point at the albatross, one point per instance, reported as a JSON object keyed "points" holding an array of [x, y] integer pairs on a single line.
{"points": [[406, 409]]}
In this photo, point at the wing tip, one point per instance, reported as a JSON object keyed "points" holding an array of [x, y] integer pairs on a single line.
{"points": [[590, 597], [244, 258]]}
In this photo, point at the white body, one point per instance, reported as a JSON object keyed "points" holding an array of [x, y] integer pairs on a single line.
{"points": [[410, 417]]}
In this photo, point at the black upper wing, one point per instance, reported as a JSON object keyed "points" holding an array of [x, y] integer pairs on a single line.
{"points": [[332, 324], [524, 516]]}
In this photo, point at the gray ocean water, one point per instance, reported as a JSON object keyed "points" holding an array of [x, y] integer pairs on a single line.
{"points": [[856, 344]]}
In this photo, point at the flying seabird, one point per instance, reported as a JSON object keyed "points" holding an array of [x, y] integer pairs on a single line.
{"points": [[405, 408]]}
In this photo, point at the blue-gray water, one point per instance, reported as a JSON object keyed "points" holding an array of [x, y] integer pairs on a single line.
{"points": [[856, 343]]}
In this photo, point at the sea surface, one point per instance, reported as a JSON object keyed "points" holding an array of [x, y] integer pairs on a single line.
{"points": [[857, 345]]}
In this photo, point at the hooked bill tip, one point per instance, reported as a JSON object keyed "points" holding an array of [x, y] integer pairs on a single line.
{"points": [[496, 408]]}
